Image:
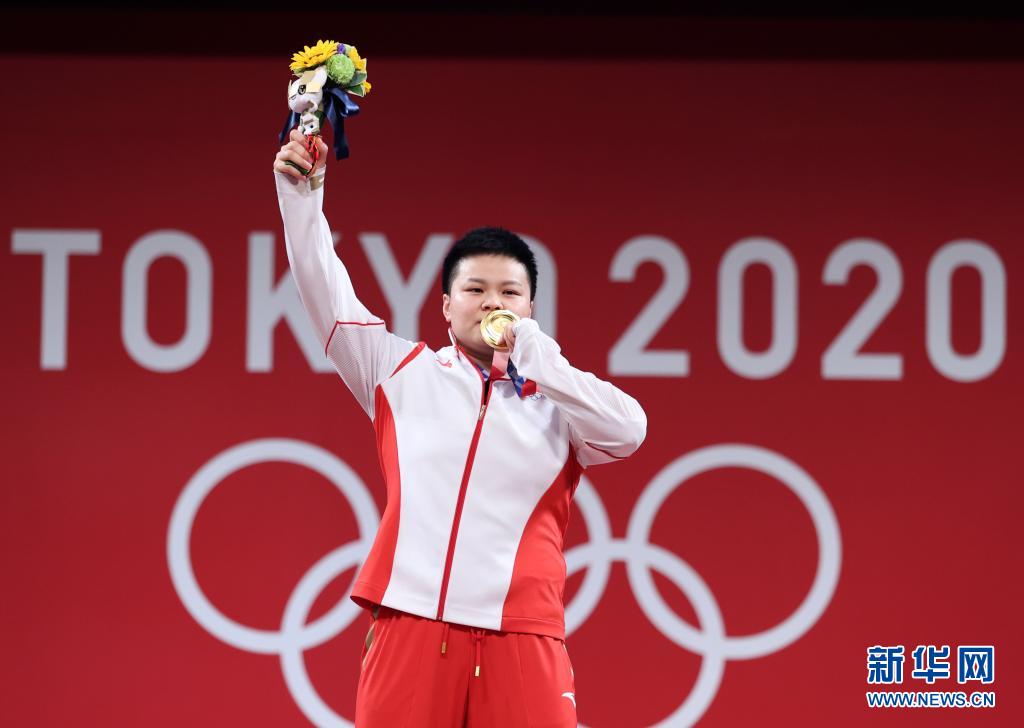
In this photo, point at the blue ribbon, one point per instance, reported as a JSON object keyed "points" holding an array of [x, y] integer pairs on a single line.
{"points": [[338, 106]]}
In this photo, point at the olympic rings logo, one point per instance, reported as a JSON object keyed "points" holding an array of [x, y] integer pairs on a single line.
{"points": [[709, 640]]}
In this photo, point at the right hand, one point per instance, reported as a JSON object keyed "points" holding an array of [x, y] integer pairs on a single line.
{"points": [[294, 150]]}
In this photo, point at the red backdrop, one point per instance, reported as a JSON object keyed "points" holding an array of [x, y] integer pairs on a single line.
{"points": [[736, 244]]}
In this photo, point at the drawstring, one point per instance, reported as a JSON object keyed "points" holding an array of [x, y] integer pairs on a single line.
{"points": [[478, 639], [444, 638]]}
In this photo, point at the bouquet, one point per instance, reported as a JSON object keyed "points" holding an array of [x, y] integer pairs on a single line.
{"points": [[327, 76]]}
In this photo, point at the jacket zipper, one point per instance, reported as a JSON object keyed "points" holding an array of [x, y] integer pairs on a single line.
{"points": [[462, 497]]}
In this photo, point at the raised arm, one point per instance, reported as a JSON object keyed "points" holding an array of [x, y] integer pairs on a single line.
{"points": [[606, 423], [357, 343]]}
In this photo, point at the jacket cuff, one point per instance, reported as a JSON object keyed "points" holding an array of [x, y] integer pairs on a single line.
{"points": [[288, 185]]}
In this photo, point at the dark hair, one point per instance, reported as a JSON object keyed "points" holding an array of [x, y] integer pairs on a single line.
{"points": [[489, 241]]}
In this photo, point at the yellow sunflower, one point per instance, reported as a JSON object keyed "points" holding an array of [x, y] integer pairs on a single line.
{"points": [[314, 56], [353, 54]]}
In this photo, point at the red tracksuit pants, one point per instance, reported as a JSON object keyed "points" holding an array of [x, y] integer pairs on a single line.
{"points": [[422, 673]]}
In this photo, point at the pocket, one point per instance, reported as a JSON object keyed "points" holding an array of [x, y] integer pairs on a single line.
{"points": [[367, 644], [568, 663]]}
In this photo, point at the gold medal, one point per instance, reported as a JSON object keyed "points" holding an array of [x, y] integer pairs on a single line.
{"points": [[493, 326]]}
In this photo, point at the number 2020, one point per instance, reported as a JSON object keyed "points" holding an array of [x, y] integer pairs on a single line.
{"points": [[843, 358]]}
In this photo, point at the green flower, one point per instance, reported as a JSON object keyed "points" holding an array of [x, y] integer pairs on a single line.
{"points": [[340, 69]]}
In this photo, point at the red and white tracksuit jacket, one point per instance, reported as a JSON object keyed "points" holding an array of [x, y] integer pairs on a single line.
{"points": [[479, 478]]}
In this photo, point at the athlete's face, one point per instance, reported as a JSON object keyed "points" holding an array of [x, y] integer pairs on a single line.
{"points": [[483, 283]]}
